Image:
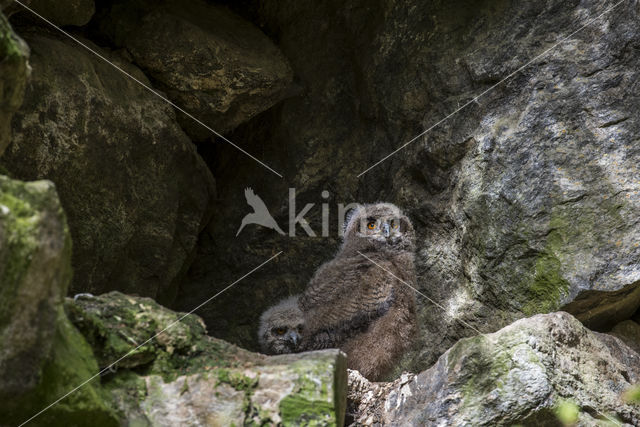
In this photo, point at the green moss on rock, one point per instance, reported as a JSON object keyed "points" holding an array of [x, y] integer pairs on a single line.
{"points": [[236, 380], [208, 380], [14, 70], [115, 324], [20, 223], [310, 405], [548, 288], [35, 270], [70, 365], [42, 355]]}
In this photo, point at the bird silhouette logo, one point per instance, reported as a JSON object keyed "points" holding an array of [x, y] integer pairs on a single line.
{"points": [[260, 214]]}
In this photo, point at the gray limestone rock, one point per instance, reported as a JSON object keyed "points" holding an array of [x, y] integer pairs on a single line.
{"points": [[530, 373]]}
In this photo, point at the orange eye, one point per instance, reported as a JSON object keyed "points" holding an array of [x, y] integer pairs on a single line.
{"points": [[371, 225], [280, 331]]}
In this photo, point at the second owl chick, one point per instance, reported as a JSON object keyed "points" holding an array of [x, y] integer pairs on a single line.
{"points": [[354, 303], [280, 328]]}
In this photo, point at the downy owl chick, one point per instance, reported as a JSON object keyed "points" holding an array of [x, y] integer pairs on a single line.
{"points": [[281, 327], [354, 304]]}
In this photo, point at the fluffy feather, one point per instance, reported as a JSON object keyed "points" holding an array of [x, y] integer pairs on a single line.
{"points": [[355, 305]]}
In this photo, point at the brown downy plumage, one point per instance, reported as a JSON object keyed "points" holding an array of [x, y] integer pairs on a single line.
{"points": [[355, 305]]}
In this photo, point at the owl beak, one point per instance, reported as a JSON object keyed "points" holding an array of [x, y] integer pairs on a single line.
{"points": [[385, 229], [293, 337]]}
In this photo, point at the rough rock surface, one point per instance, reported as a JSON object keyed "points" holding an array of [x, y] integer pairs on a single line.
{"points": [[523, 374], [135, 191], [209, 61], [42, 356], [524, 202], [530, 194], [629, 332], [14, 70], [184, 377]]}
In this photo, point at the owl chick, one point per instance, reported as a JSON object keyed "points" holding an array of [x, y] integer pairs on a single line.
{"points": [[281, 327], [355, 305]]}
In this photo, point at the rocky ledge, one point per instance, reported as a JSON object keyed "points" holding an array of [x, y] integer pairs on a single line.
{"points": [[184, 377]]}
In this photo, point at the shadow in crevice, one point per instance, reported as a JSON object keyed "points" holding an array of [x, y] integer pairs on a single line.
{"points": [[602, 310]]}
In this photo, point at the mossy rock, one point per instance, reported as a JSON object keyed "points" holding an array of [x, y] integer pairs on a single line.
{"points": [[35, 252], [115, 324], [208, 380], [64, 373], [42, 355], [14, 70]]}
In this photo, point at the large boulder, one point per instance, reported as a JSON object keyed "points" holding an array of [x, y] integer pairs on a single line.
{"points": [[135, 191], [524, 202], [529, 195], [536, 371], [14, 70], [209, 61], [42, 356]]}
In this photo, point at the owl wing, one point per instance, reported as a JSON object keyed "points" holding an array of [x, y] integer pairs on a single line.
{"points": [[342, 299]]}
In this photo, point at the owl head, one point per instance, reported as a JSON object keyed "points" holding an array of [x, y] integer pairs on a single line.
{"points": [[280, 328], [378, 226]]}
